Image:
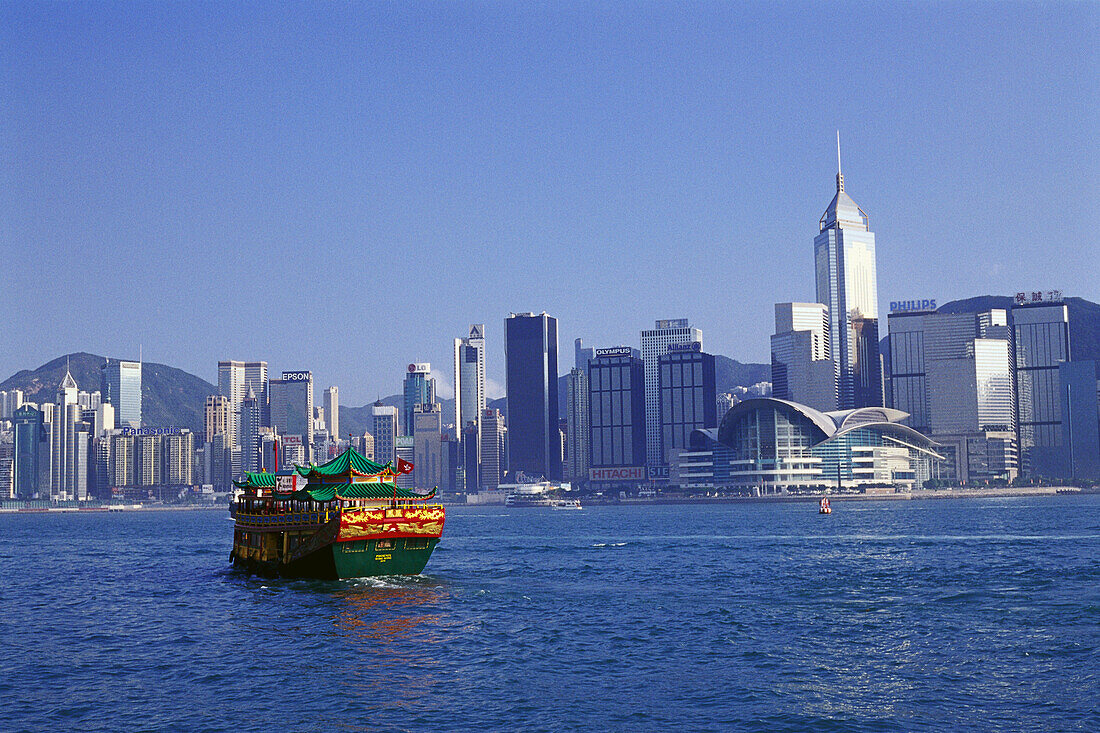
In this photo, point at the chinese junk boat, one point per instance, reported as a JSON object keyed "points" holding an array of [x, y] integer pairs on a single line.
{"points": [[344, 519]]}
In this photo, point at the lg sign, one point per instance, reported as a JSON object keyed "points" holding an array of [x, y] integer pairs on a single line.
{"points": [[422, 368]]}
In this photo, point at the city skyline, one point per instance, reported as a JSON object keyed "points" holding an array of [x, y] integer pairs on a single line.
{"points": [[646, 144]]}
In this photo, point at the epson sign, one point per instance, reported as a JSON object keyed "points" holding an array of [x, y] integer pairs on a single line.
{"points": [[909, 306], [297, 376]]}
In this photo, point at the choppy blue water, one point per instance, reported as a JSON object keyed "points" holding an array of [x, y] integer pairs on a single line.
{"points": [[930, 615]]}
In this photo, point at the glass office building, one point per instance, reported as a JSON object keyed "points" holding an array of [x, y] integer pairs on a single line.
{"points": [[418, 389], [1041, 337], [616, 409], [687, 396], [531, 372], [121, 381], [291, 405], [844, 256]]}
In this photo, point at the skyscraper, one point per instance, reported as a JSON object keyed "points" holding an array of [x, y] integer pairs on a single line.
{"points": [[332, 412], [217, 417], [582, 355], [177, 458], [427, 448], [291, 406], [419, 389], [121, 381], [686, 385], [576, 420], [234, 379], [250, 431], [655, 344], [952, 372], [1041, 333], [29, 441], [64, 452], [469, 358], [384, 430], [1080, 381], [844, 255], [801, 368], [531, 369], [494, 449], [617, 404]]}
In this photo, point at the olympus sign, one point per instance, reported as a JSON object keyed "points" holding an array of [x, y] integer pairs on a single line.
{"points": [[617, 351]]}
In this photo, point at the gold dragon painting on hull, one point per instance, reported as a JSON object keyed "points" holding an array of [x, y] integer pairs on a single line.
{"points": [[403, 521]]}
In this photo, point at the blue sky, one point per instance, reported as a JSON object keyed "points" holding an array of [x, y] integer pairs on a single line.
{"points": [[345, 187]]}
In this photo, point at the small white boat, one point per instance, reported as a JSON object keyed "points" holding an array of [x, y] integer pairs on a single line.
{"points": [[567, 504]]}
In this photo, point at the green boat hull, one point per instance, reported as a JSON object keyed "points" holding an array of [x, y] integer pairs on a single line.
{"points": [[354, 559]]}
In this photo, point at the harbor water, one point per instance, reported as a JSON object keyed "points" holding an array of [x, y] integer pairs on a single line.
{"points": [[948, 615]]}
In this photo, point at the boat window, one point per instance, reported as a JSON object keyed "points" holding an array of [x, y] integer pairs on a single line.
{"points": [[416, 544], [383, 545]]}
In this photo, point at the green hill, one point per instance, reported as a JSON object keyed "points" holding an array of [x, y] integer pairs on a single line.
{"points": [[170, 397]]}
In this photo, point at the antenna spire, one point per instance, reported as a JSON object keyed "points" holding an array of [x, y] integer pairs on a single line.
{"points": [[839, 175]]}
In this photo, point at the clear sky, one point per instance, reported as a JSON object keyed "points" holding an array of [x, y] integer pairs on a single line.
{"points": [[346, 187]]}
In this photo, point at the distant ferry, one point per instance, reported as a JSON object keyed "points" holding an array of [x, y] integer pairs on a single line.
{"points": [[567, 504], [344, 519]]}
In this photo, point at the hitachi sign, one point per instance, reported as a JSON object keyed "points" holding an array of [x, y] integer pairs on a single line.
{"points": [[626, 473], [907, 306]]}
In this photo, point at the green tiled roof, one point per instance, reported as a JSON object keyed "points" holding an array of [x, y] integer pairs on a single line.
{"points": [[258, 480], [328, 492], [350, 460]]}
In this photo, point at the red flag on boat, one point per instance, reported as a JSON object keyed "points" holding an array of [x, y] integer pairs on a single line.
{"points": [[404, 466]]}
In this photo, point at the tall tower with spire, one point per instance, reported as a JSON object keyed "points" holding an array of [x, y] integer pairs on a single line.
{"points": [[844, 256]]}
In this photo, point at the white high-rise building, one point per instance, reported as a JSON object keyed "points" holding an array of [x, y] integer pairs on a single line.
{"points": [[655, 344], [577, 421], [68, 445], [844, 256], [332, 412], [234, 379], [469, 364], [384, 429], [801, 368]]}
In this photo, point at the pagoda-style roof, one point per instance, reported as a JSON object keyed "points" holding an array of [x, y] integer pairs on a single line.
{"points": [[360, 490], [337, 479], [256, 480], [350, 462]]}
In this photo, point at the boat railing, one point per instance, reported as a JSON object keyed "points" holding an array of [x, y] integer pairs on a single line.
{"points": [[285, 519]]}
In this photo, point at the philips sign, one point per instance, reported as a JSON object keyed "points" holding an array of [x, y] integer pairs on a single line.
{"points": [[297, 376], [912, 306]]}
